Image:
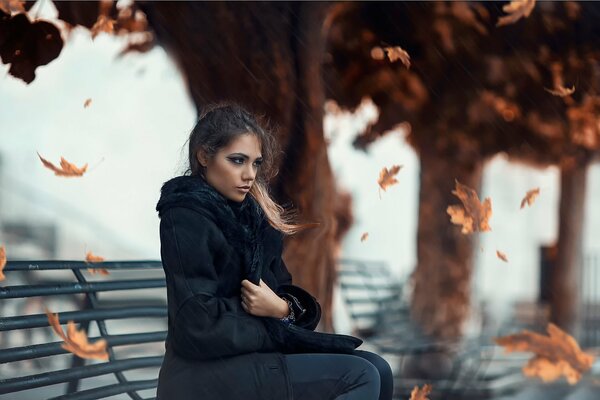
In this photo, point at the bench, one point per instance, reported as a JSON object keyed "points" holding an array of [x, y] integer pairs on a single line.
{"points": [[127, 308], [379, 312]]}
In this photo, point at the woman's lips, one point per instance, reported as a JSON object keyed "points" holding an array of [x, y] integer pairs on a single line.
{"points": [[244, 189]]}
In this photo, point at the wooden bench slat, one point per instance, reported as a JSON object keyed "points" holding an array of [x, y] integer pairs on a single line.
{"points": [[25, 265]]}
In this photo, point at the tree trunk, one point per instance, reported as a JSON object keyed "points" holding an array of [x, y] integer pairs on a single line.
{"points": [[441, 297], [566, 274]]}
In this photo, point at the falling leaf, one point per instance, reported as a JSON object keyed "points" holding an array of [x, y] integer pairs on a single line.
{"points": [[364, 236], [66, 168], [473, 215], [517, 9], [420, 394], [12, 6], [554, 355], [501, 256], [387, 177], [2, 262], [103, 24], [76, 341], [91, 258], [561, 91], [87, 103], [530, 197], [398, 53]]}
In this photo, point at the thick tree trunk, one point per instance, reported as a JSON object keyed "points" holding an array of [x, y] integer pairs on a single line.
{"points": [[440, 303], [566, 273]]}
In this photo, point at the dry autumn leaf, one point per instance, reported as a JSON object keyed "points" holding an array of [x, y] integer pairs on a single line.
{"points": [[91, 258], [76, 341], [103, 24], [364, 236], [2, 262], [473, 215], [501, 256], [387, 177], [561, 91], [420, 394], [87, 103], [554, 355], [66, 168], [12, 6], [398, 53], [516, 10], [530, 197]]}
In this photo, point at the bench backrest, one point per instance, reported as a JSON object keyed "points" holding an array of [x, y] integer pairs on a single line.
{"points": [[127, 308]]}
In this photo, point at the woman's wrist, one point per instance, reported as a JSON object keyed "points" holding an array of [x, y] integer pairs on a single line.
{"points": [[284, 309]]}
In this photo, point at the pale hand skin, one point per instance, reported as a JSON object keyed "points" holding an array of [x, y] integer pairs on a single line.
{"points": [[261, 301]]}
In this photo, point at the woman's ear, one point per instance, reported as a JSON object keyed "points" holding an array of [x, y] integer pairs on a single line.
{"points": [[202, 159]]}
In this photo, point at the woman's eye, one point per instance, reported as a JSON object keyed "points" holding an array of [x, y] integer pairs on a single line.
{"points": [[237, 160], [258, 163]]}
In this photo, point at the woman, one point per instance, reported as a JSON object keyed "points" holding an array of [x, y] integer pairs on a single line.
{"points": [[238, 328]]}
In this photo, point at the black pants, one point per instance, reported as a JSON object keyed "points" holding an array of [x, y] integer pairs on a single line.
{"points": [[359, 376]]}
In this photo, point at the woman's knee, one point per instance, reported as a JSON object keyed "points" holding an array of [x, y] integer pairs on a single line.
{"points": [[382, 366], [365, 372]]}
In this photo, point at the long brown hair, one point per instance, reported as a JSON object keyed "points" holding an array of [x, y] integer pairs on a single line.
{"points": [[217, 126]]}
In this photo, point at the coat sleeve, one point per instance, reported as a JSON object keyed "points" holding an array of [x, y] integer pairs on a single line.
{"points": [[203, 325], [306, 307]]}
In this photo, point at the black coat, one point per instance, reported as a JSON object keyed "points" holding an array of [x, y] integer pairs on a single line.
{"points": [[214, 349]]}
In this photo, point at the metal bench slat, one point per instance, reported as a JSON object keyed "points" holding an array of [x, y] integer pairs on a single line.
{"points": [[41, 320], [51, 349], [74, 264], [110, 390], [51, 378], [20, 291]]}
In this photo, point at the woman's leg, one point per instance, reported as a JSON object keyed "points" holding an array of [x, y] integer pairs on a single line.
{"points": [[385, 373], [332, 376]]}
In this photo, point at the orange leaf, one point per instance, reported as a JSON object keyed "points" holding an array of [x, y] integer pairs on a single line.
{"points": [[364, 236], [561, 91], [420, 394], [530, 197], [2, 262], [76, 341], [472, 215], [12, 6], [87, 103], [66, 168], [501, 256], [516, 10], [103, 24], [398, 53], [387, 177], [91, 258], [554, 355]]}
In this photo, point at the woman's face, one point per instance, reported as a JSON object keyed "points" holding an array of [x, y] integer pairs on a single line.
{"points": [[233, 168]]}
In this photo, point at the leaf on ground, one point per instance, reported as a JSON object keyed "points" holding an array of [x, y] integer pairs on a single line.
{"points": [[387, 177], [420, 394], [530, 197], [555, 355], [516, 10], [87, 103], [2, 262], [501, 256], [76, 341], [473, 215], [103, 24], [12, 6], [66, 168], [364, 236], [561, 91], [398, 53], [91, 258]]}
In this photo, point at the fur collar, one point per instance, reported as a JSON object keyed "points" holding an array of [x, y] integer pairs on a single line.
{"points": [[241, 223]]}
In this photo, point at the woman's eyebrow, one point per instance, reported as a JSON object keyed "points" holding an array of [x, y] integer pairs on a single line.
{"points": [[244, 156]]}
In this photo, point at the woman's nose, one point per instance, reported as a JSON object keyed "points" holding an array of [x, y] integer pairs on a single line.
{"points": [[249, 173]]}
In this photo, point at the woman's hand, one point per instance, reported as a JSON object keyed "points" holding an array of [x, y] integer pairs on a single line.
{"points": [[261, 301]]}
